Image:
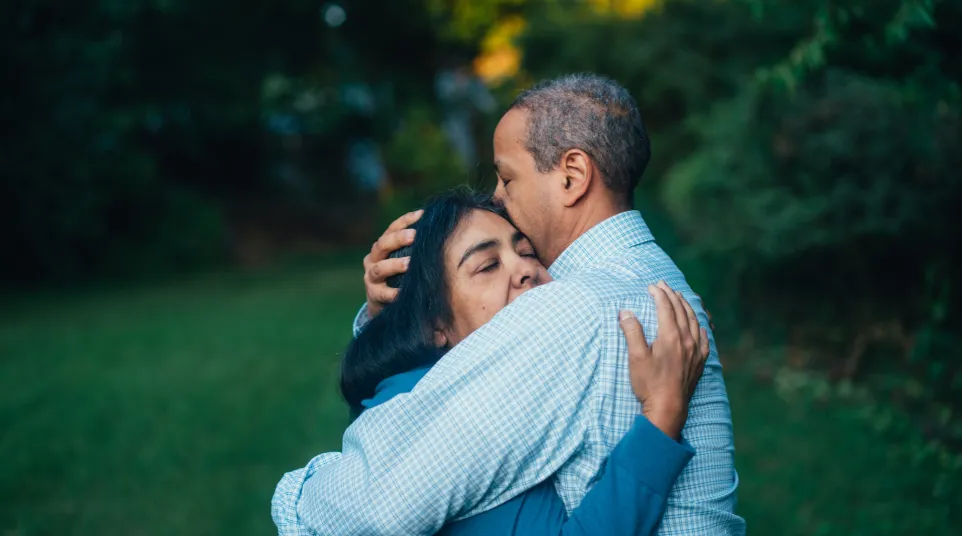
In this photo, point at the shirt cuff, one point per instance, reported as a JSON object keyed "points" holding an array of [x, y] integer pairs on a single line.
{"points": [[361, 319], [651, 456], [288, 493], [284, 502]]}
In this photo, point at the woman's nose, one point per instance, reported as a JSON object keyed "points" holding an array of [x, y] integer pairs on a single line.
{"points": [[526, 274]]}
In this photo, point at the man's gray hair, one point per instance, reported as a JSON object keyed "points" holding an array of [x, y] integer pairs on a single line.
{"points": [[591, 113]]}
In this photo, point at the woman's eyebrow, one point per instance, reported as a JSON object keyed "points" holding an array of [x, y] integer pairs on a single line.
{"points": [[480, 246], [517, 237]]}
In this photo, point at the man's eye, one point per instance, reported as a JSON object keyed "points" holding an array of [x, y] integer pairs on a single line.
{"points": [[490, 267]]}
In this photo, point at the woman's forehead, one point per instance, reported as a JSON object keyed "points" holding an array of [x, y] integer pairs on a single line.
{"points": [[480, 225], [485, 222]]}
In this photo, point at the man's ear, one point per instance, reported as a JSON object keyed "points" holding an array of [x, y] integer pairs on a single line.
{"points": [[578, 171]]}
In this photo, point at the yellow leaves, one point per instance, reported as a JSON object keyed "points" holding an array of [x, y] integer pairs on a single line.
{"points": [[467, 20], [623, 8], [500, 57]]}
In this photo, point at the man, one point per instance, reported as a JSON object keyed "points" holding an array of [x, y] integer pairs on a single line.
{"points": [[568, 153]]}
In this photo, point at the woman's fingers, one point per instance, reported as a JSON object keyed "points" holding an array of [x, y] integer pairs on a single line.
{"points": [[697, 367], [693, 325], [635, 335], [643, 370], [703, 345], [667, 323], [681, 319], [707, 312]]}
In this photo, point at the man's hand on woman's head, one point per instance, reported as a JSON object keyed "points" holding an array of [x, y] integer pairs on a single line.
{"points": [[664, 375], [378, 266]]}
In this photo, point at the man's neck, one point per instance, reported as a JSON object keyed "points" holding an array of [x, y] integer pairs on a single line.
{"points": [[583, 220]]}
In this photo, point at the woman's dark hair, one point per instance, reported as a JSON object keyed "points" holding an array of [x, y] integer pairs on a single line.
{"points": [[401, 338]]}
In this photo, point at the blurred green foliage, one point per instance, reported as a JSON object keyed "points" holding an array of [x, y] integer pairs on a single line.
{"points": [[422, 163], [129, 126], [824, 188]]}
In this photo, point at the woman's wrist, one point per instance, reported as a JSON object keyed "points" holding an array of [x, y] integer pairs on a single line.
{"points": [[668, 415]]}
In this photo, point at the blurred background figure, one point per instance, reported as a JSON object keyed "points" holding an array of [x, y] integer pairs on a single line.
{"points": [[462, 96], [188, 187]]}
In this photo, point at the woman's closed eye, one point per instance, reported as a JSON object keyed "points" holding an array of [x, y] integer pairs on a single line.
{"points": [[490, 266], [523, 247]]}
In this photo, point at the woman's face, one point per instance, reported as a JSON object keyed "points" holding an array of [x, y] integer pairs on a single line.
{"points": [[488, 264]]}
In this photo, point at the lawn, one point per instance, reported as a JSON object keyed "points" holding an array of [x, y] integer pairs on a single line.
{"points": [[173, 408]]}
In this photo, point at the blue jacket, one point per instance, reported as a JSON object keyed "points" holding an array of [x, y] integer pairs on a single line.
{"points": [[629, 497]]}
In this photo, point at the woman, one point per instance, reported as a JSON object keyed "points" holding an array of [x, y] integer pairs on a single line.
{"points": [[467, 262]]}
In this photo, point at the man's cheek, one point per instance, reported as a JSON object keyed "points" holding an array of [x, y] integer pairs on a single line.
{"points": [[499, 192]]}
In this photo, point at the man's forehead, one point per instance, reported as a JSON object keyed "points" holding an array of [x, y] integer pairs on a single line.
{"points": [[508, 138], [513, 124], [506, 162]]}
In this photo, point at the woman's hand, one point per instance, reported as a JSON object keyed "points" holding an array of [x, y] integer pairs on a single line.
{"points": [[665, 374]]}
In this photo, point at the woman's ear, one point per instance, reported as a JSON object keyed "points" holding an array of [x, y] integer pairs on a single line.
{"points": [[440, 339]]}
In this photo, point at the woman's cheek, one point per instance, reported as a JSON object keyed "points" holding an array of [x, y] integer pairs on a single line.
{"points": [[490, 307]]}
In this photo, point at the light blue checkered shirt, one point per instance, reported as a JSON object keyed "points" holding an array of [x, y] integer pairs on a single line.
{"points": [[540, 391]]}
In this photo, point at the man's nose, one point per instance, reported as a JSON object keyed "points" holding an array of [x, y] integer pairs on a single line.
{"points": [[499, 192]]}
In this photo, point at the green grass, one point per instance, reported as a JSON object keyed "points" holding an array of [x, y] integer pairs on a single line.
{"points": [[173, 408], [816, 468]]}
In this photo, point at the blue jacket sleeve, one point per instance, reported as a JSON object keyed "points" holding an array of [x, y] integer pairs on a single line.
{"points": [[628, 499]]}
